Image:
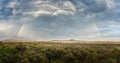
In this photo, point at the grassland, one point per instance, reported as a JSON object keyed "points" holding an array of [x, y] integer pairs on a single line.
{"points": [[59, 52]]}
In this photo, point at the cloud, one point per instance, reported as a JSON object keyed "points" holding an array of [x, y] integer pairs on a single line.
{"points": [[59, 19], [3, 27], [11, 4], [92, 6], [110, 4], [49, 8]]}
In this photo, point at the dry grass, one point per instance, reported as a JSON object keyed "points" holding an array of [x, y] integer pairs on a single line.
{"points": [[60, 41], [17, 51]]}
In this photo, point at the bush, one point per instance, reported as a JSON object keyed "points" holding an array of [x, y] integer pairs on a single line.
{"points": [[59, 53]]}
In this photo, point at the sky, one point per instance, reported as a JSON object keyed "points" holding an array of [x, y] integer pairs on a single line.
{"points": [[60, 19]]}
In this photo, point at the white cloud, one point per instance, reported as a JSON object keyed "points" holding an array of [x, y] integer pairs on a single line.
{"points": [[82, 10], [41, 1], [114, 24], [89, 16], [62, 12], [3, 27], [38, 13], [69, 6], [49, 8], [11, 4], [110, 4]]}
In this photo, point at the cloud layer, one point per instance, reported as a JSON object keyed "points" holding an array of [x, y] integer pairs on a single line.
{"points": [[60, 19]]}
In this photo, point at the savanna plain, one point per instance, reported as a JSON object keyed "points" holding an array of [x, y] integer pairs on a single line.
{"points": [[59, 52]]}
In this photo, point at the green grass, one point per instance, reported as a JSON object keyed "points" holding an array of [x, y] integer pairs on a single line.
{"points": [[50, 52]]}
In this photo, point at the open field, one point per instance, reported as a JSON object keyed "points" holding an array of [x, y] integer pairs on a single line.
{"points": [[59, 52]]}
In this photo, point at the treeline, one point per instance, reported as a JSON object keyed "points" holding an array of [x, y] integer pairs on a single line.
{"points": [[59, 53]]}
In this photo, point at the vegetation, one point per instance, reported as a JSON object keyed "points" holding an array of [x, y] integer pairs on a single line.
{"points": [[49, 52]]}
